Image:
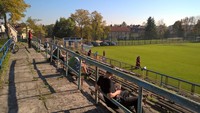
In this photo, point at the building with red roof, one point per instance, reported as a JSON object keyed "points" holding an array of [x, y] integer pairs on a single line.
{"points": [[119, 32]]}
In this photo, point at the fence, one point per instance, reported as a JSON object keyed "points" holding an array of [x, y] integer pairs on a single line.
{"points": [[3, 51], [185, 102], [176, 84], [173, 83], [144, 42]]}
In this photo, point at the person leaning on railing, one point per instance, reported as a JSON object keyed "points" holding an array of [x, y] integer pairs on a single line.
{"points": [[108, 87], [74, 63]]}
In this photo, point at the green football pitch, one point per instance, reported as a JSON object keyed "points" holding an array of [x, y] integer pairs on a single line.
{"points": [[178, 60]]}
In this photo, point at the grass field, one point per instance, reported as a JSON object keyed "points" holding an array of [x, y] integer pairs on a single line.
{"points": [[178, 60]]}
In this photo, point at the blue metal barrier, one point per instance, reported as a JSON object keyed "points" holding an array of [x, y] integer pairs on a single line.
{"points": [[183, 101], [3, 51]]}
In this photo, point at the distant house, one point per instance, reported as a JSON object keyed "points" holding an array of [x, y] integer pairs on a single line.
{"points": [[2, 31], [137, 31], [119, 32], [12, 31]]}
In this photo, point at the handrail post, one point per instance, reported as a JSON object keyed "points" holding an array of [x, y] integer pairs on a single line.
{"points": [[156, 78], [79, 76], [96, 91], [161, 81], [139, 106], [147, 73], [54, 39], [40, 45], [37, 44], [51, 53], [179, 86], [192, 89], [166, 80], [66, 69], [57, 56], [46, 51]]}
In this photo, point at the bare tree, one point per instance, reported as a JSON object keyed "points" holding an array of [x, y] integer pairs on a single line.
{"points": [[161, 29]]}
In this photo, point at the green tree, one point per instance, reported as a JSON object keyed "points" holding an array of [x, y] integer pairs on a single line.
{"points": [[64, 28], [21, 28], [150, 29], [49, 30], [87, 31], [38, 29], [81, 17], [106, 30], [167, 33], [15, 9], [56, 28], [161, 29], [178, 29], [123, 24], [97, 25]]}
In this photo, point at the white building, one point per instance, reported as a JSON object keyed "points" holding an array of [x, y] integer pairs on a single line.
{"points": [[12, 30]]}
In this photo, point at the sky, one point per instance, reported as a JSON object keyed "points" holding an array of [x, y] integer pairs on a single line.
{"points": [[115, 11]]}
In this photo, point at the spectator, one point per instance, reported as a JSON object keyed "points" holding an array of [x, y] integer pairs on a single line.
{"points": [[29, 38], [137, 65], [104, 57], [89, 53], [96, 54], [104, 53], [108, 87]]}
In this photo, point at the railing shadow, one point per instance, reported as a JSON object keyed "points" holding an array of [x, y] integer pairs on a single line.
{"points": [[43, 78], [68, 110], [12, 98]]}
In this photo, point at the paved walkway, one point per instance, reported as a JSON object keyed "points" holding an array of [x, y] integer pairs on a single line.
{"points": [[34, 86]]}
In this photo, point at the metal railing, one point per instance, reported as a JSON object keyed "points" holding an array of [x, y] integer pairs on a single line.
{"points": [[174, 83], [183, 101], [145, 42], [163, 80], [3, 51]]}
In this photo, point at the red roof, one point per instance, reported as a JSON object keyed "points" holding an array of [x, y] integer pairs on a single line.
{"points": [[119, 29]]}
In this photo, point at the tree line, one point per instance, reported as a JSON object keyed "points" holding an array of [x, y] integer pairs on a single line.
{"points": [[186, 28], [91, 26]]}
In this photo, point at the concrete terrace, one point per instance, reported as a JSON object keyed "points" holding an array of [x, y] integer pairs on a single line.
{"points": [[32, 85]]}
